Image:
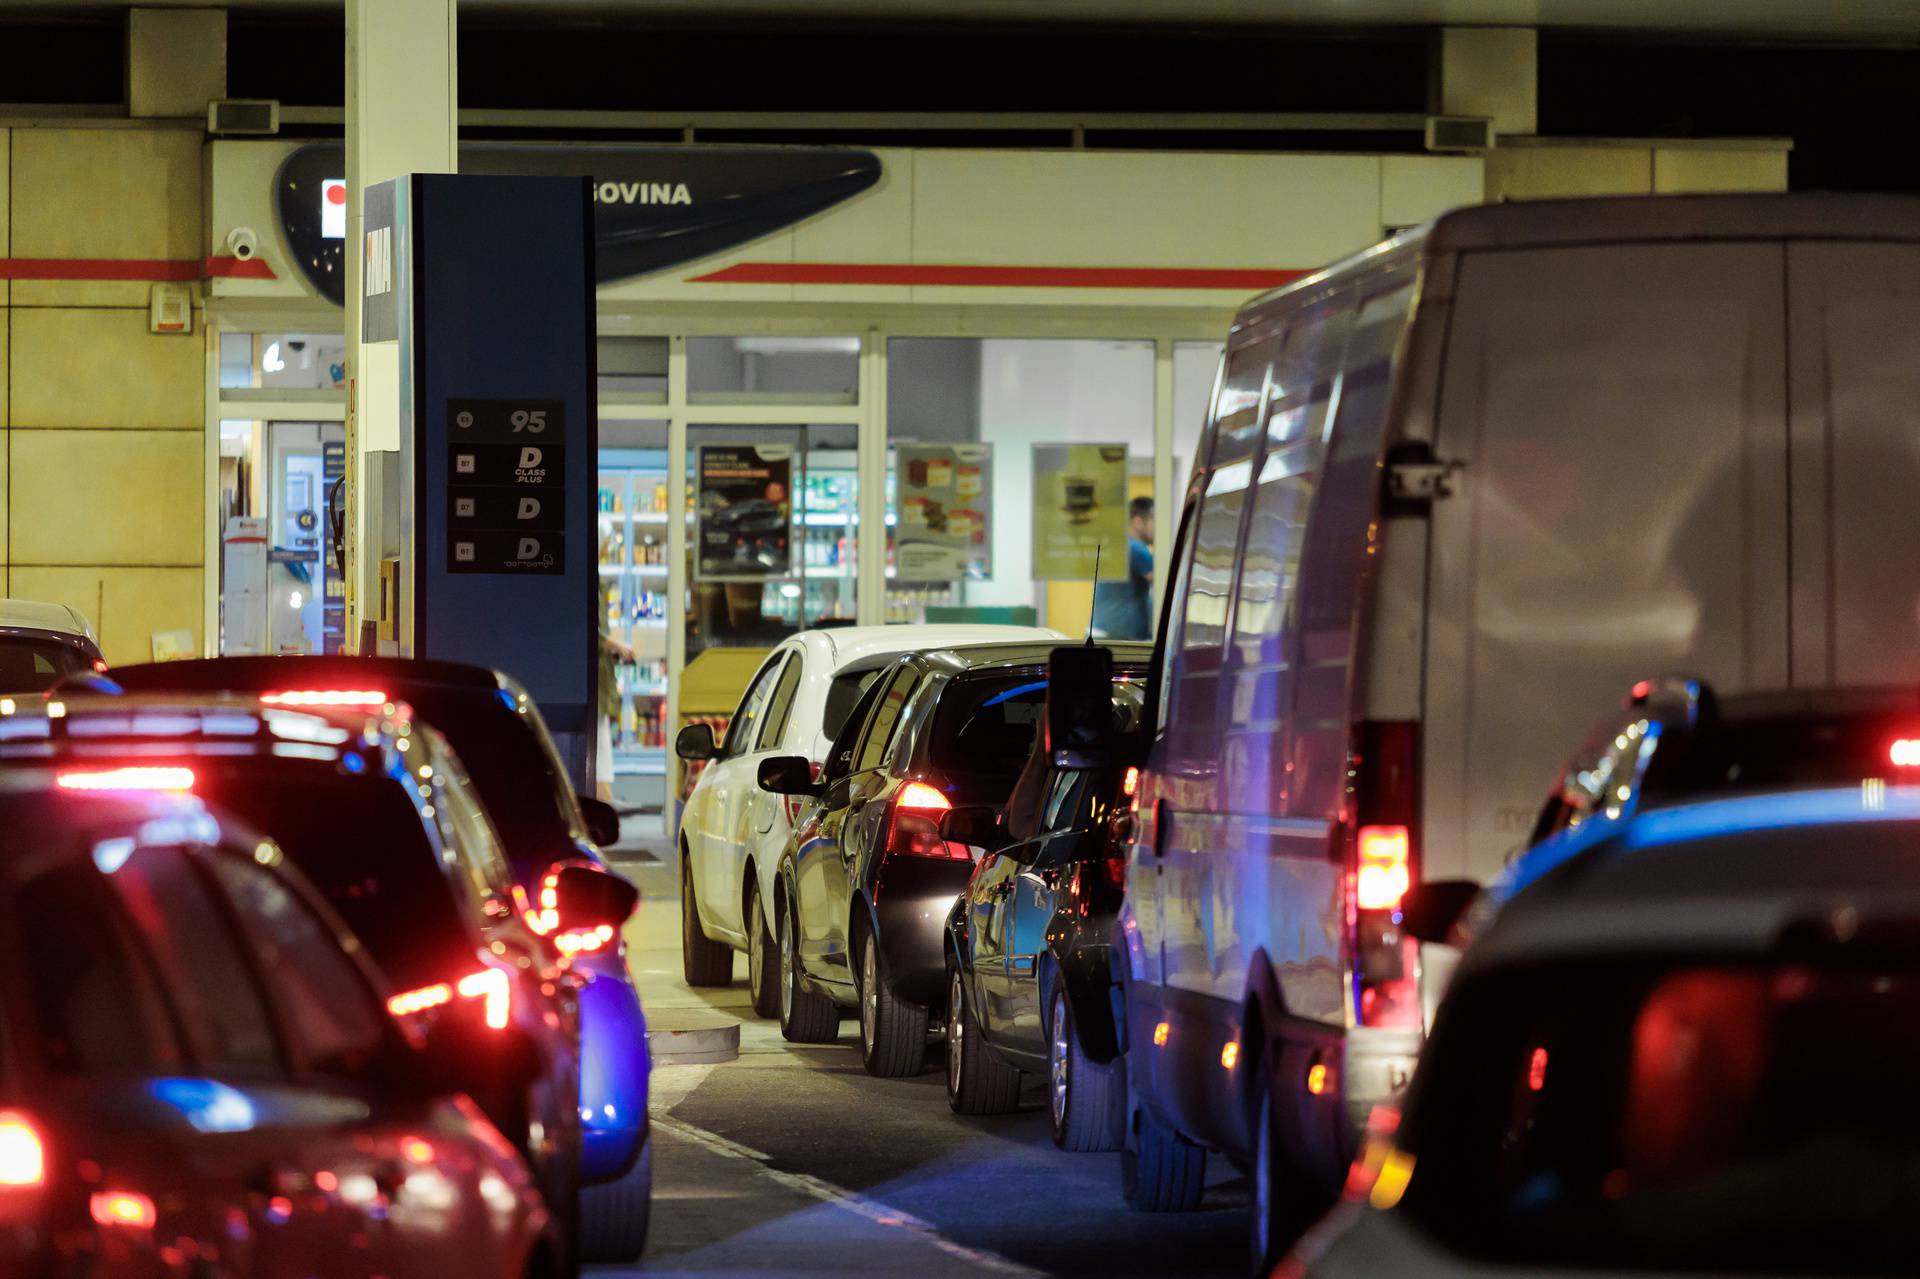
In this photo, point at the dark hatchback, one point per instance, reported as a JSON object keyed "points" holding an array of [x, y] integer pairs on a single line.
{"points": [[1029, 944], [378, 813], [501, 739], [867, 880], [199, 1077]]}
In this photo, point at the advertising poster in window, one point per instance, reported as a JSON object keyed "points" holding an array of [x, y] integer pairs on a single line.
{"points": [[1079, 506], [943, 497], [745, 506]]}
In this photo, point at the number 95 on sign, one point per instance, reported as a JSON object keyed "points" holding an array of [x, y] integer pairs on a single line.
{"points": [[505, 421]]}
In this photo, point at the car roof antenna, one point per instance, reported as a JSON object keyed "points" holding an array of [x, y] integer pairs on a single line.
{"points": [[1096, 592]]}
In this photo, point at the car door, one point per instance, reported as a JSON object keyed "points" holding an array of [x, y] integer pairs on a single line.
{"points": [[721, 826], [988, 895], [1028, 908], [761, 811], [385, 1141], [870, 786], [816, 842]]}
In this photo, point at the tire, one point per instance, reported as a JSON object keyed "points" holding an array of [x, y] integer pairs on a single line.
{"points": [[703, 961], [1087, 1101], [1160, 1171], [1285, 1202], [893, 1032], [614, 1215], [763, 958], [805, 1018], [978, 1083]]}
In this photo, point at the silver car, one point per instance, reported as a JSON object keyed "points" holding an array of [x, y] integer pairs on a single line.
{"points": [[41, 644]]}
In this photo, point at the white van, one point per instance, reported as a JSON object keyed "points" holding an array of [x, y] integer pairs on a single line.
{"points": [[1455, 494]]}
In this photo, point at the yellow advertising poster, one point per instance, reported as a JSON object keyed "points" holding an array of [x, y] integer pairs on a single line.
{"points": [[1079, 505]]}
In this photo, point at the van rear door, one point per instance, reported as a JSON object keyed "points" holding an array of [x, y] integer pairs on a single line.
{"points": [[1854, 339], [1621, 410]]}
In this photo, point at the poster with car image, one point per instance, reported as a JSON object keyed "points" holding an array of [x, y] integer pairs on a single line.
{"points": [[744, 502], [1079, 507], [942, 495]]}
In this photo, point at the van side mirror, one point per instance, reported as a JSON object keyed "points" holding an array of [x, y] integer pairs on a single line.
{"points": [[695, 743], [1432, 911], [603, 823], [975, 825], [789, 775], [1079, 706]]}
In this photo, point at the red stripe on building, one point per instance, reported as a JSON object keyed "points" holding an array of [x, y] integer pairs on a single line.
{"points": [[1002, 277], [159, 270]]}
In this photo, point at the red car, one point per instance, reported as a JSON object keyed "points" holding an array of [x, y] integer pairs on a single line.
{"points": [[198, 1072]]}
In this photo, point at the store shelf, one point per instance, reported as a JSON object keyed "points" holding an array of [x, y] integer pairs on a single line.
{"points": [[649, 517], [650, 570], [827, 519]]}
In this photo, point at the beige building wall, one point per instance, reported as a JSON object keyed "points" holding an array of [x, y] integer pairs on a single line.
{"points": [[102, 477], [1542, 169]]}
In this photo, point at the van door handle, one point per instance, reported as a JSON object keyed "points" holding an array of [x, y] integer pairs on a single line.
{"points": [[1162, 818]]}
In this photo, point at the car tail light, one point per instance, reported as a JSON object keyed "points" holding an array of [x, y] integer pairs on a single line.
{"points": [[543, 915], [913, 827], [492, 986], [127, 779], [23, 1155], [128, 1209], [324, 697], [1381, 858], [99, 666], [583, 940], [1905, 753]]}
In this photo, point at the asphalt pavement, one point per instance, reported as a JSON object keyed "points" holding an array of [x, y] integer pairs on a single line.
{"points": [[791, 1160]]}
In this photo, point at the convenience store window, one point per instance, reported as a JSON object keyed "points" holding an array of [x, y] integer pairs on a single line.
{"points": [[772, 532], [1009, 460], [773, 370], [632, 533]]}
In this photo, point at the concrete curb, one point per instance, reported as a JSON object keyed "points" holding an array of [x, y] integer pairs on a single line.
{"points": [[680, 1037]]}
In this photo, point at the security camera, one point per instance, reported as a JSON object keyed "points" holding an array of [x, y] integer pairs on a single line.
{"points": [[242, 243]]}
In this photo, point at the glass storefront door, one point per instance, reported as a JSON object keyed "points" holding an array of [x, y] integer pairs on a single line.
{"points": [[632, 519]]}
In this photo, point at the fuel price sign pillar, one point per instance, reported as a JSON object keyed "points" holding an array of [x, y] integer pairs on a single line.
{"points": [[491, 299]]}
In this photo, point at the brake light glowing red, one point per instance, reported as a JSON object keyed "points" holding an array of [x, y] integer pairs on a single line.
{"points": [[1384, 872], [100, 665], [1537, 1070], [127, 1208], [493, 986], [324, 697], [138, 778], [1905, 753], [23, 1156], [922, 798], [544, 918], [583, 940], [1130, 784], [409, 1002]]}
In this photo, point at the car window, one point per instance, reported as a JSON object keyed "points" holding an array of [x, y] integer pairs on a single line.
{"points": [[97, 1007], [328, 1005], [522, 784], [746, 719], [1067, 799], [30, 665], [840, 754], [214, 986], [469, 833], [780, 707], [843, 694], [886, 719], [359, 838]]}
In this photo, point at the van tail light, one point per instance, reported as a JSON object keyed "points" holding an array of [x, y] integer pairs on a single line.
{"points": [[913, 826], [126, 779], [1377, 845], [23, 1154]]}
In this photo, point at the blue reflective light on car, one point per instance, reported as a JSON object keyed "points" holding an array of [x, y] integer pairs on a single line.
{"points": [[111, 854], [210, 1106], [1014, 692], [507, 700], [1785, 810], [353, 763]]}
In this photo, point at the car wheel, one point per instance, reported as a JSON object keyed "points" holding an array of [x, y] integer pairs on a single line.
{"points": [[1160, 1171], [614, 1214], [978, 1083], [763, 965], [703, 961], [805, 1018], [893, 1031], [1087, 1100]]}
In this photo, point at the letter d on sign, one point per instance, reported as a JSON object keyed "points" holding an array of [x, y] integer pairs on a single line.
{"points": [[529, 547], [529, 458], [529, 507]]}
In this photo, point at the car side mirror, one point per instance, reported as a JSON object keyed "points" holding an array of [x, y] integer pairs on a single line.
{"points": [[603, 823], [789, 775], [1431, 911], [695, 743], [975, 825], [588, 898]]}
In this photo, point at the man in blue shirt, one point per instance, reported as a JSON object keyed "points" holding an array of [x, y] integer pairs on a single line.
{"points": [[1124, 610]]}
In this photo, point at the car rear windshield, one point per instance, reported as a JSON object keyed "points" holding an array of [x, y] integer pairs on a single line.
{"points": [[1737, 1117], [986, 725], [360, 840], [32, 665], [1788, 753]]}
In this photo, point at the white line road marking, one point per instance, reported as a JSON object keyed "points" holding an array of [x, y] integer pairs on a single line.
{"points": [[828, 1193]]}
